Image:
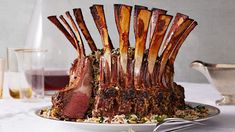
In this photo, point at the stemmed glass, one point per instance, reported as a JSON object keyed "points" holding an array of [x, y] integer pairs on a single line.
{"points": [[43, 35]]}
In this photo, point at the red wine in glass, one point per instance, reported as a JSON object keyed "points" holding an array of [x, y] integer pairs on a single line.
{"points": [[54, 80]]}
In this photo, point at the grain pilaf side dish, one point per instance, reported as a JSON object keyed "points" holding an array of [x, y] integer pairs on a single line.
{"points": [[125, 84], [188, 113]]}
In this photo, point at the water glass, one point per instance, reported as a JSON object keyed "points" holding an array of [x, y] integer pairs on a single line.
{"points": [[31, 72]]}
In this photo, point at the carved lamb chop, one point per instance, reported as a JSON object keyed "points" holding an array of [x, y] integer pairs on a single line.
{"points": [[127, 80]]}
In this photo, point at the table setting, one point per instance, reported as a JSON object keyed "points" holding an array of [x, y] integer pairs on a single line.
{"points": [[21, 115], [123, 86]]}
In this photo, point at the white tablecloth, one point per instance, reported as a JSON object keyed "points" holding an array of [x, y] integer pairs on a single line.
{"points": [[18, 116]]}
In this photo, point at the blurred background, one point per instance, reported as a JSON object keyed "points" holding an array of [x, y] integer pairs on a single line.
{"points": [[211, 41]]}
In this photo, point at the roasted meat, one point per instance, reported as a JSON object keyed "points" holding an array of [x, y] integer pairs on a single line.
{"points": [[126, 80]]}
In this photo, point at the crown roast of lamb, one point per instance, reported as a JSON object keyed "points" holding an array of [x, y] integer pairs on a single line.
{"points": [[125, 80]]}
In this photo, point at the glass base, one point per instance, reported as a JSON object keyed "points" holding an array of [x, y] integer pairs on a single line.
{"points": [[226, 100], [50, 92]]}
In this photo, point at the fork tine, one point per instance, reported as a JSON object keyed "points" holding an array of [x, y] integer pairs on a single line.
{"points": [[183, 120], [180, 128], [170, 121], [175, 128]]}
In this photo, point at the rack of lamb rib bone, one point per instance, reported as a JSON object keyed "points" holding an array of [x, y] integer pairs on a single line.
{"points": [[112, 81]]}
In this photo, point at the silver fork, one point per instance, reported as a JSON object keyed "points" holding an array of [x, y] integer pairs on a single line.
{"points": [[171, 121]]}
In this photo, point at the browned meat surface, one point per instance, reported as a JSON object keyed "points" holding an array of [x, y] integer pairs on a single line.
{"points": [[73, 101], [126, 80]]}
